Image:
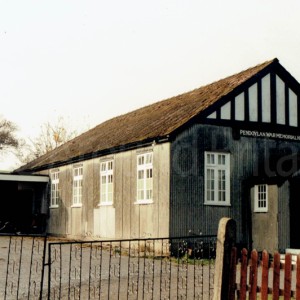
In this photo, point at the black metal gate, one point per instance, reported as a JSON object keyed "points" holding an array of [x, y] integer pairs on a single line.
{"points": [[22, 266], [165, 268], [179, 268]]}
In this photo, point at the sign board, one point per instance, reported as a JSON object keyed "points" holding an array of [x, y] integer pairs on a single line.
{"points": [[273, 135]]}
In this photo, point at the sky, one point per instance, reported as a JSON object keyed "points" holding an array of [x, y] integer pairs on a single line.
{"points": [[89, 61]]}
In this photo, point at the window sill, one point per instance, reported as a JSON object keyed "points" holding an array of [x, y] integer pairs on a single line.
{"points": [[53, 206], [143, 202], [76, 205], [216, 204], [105, 204]]}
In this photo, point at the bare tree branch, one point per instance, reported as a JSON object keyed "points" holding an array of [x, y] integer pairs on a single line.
{"points": [[7, 134], [52, 135]]}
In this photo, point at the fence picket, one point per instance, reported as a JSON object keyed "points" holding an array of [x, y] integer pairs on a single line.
{"points": [[298, 278], [261, 285], [276, 276], [265, 275], [243, 281], [284, 287], [287, 276], [253, 275]]}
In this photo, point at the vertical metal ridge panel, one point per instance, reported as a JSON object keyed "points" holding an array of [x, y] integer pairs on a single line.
{"points": [[283, 217], [253, 160]]}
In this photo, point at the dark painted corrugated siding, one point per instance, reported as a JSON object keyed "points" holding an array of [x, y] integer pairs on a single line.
{"points": [[283, 217], [187, 181], [251, 158]]}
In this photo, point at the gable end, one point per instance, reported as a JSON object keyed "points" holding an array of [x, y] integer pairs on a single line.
{"points": [[270, 98]]}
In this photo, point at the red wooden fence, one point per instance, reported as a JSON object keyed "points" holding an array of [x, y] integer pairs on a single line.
{"points": [[258, 278]]}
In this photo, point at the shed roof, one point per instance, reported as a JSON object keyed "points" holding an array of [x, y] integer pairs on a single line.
{"points": [[23, 178], [155, 121]]}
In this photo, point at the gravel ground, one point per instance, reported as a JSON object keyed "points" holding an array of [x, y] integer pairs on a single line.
{"points": [[98, 271], [105, 274]]}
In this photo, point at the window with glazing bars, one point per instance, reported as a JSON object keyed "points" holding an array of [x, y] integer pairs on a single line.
{"points": [[54, 189], [77, 185], [261, 198], [217, 178], [145, 177], [106, 182]]}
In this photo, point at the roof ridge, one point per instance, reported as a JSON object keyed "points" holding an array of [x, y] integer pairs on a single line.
{"points": [[264, 64], [148, 122]]}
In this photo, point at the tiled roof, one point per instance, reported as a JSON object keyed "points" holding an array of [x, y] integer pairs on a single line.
{"points": [[154, 121]]}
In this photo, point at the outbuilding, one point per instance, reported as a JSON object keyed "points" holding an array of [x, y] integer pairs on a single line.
{"points": [[230, 148], [24, 206]]}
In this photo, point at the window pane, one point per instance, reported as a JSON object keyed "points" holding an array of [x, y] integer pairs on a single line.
{"points": [[210, 178], [141, 160], [140, 195], [210, 184], [149, 173], [221, 159], [140, 184], [210, 159], [149, 194], [149, 158], [110, 178], [140, 174]]}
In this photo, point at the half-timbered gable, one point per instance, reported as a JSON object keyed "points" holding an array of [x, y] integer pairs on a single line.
{"points": [[270, 98], [177, 166]]}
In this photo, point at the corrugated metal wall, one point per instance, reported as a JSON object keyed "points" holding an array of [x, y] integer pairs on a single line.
{"points": [[253, 160], [284, 216]]}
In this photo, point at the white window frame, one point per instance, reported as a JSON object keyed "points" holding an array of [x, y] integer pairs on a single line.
{"points": [[106, 182], [261, 198], [77, 186], [217, 178], [144, 178], [54, 198]]}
